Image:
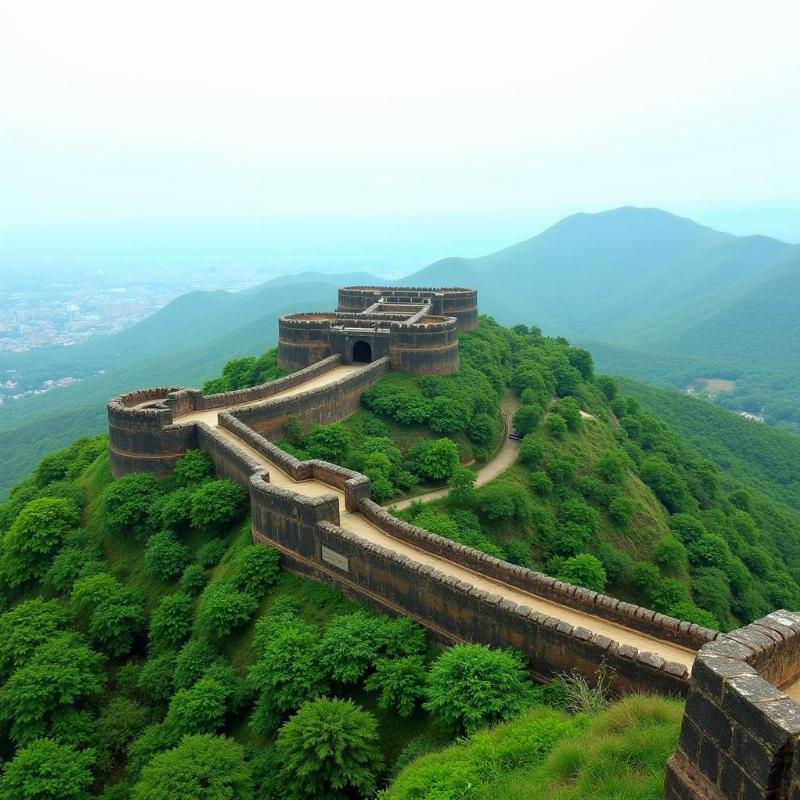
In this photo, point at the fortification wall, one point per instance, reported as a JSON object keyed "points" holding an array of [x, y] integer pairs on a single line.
{"points": [[424, 349], [455, 611], [329, 403], [740, 730], [303, 339], [631, 616], [141, 435], [457, 302]]}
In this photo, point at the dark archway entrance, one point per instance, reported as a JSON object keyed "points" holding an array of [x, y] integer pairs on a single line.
{"points": [[362, 352]]}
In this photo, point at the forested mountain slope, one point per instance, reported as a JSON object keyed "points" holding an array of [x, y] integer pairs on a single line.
{"points": [[178, 346], [146, 646]]}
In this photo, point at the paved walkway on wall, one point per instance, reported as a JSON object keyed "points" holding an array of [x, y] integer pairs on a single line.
{"points": [[210, 416], [358, 524], [505, 456]]}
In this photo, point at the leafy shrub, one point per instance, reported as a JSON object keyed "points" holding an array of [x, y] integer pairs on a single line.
{"points": [[78, 557], [119, 723], [531, 449], [584, 570], [541, 483], [556, 425], [194, 660], [330, 747], [200, 709], [562, 469], [25, 627], [569, 409], [517, 552], [621, 510], [462, 487], [193, 580], [433, 459], [350, 644], [171, 622], [670, 553], [399, 682], [202, 767], [175, 510], [30, 543], [471, 685], [193, 468], [481, 429], [156, 678], [526, 419], [217, 504], [45, 770], [210, 554], [328, 442], [612, 466], [126, 505], [501, 500], [257, 569], [223, 607], [165, 557]]}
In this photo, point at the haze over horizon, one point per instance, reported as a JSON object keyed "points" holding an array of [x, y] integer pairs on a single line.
{"points": [[433, 132]]}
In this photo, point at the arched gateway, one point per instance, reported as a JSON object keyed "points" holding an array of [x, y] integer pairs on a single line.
{"points": [[362, 352]]}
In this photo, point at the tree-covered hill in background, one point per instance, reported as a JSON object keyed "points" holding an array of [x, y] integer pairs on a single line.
{"points": [[149, 650], [182, 344], [652, 296], [655, 297]]}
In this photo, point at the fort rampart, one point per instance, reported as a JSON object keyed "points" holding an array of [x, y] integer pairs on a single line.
{"points": [[740, 730]]}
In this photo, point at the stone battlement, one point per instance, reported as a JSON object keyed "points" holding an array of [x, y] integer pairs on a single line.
{"points": [[416, 328]]}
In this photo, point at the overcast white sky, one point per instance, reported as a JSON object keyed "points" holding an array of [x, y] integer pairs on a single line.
{"points": [[493, 111]]}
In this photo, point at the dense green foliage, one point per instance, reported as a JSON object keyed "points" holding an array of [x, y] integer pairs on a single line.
{"points": [[147, 641]]}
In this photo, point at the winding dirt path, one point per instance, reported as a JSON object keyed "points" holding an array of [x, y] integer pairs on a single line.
{"points": [[505, 456]]}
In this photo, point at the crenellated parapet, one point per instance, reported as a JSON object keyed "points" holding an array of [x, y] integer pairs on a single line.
{"points": [[740, 731], [416, 328]]}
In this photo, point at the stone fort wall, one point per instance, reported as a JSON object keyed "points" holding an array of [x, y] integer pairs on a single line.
{"points": [[740, 730], [308, 532]]}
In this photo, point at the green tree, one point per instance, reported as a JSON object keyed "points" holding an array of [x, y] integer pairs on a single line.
{"points": [[112, 613], [556, 425], [328, 442], [531, 449], [621, 510], [223, 607], [45, 770], [156, 678], [666, 483], [63, 670], [165, 557], [612, 466], [350, 644], [202, 767], [434, 460], [526, 419], [448, 415], [127, 505], [175, 510], [170, 623], [193, 468], [34, 536], [462, 487], [481, 429], [584, 570], [210, 554], [217, 504], [471, 685], [288, 671], [200, 709], [193, 580], [330, 748], [120, 722], [257, 569], [24, 628], [78, 557], [570, 409], [399, 682]]}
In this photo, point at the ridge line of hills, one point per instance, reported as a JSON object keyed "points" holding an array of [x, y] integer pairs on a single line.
{"points": [[655, 297]]}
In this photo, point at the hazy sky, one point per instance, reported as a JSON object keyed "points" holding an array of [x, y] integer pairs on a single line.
{"points": [[506, 115]]}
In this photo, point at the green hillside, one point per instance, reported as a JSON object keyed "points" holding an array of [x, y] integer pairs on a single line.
{"points": [[178, 346], [146, 645], [657, 298]]}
